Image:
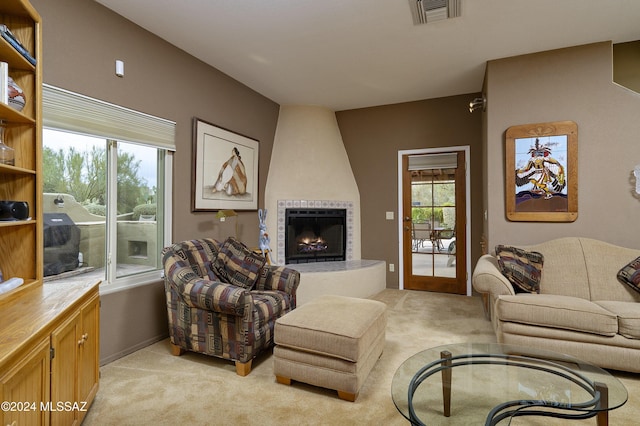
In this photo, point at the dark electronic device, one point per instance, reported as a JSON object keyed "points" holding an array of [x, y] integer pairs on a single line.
{"points": [[14, 210]]}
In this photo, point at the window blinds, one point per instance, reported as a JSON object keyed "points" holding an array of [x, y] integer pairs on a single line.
{"points": [[447, 160], [65, 110]]}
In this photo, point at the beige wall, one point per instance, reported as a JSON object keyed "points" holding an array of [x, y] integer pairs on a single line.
{"points": [[567, 84], [81, 41], [373, 137]]}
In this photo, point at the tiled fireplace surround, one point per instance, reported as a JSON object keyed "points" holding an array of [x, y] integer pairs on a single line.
{"points": [[283, 205]]}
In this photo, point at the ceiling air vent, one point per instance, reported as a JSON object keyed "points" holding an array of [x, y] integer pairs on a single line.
{"points": [[425, 11]]}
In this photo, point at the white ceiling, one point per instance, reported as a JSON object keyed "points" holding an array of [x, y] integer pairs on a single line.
{"points": [[346, 54]]}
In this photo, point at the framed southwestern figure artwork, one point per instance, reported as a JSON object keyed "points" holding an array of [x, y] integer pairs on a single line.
{"points": [[225, 170], [542, 172]]}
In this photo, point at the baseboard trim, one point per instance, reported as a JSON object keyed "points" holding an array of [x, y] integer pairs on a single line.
{"points": [[108, 359]]}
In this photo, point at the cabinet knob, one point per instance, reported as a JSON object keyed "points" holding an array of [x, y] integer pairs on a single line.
{"points": [[83, 339]]}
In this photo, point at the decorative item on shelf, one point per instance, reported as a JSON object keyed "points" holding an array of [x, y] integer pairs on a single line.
{"points": [[4, 83], [264, 240], [7, 154], [222, 215], [16, 96], [636, 173]]}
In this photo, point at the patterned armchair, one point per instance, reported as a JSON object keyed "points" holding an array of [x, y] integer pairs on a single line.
{"points": [[233, 319]]}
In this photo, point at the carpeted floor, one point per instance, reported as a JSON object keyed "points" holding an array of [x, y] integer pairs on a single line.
{"points": [[151, 386]]}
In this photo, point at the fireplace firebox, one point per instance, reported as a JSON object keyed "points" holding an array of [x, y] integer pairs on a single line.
{"points": [[315, 235]]}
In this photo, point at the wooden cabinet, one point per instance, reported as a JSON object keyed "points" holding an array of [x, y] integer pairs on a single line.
{"points": [[74, 370], [49, 354], [21, 241], [89, 351], [24, 385]]}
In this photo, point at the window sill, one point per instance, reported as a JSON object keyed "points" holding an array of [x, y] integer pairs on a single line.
{"points": [[132, 281]]}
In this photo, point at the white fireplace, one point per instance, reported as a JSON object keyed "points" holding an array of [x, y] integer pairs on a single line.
{"points": [[310, 168]]}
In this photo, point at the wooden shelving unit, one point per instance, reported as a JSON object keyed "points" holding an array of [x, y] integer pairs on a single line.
{"points": [[21, 244], [49, 334]]}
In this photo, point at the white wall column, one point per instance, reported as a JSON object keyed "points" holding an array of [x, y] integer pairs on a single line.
{"points": [[309, 162]]}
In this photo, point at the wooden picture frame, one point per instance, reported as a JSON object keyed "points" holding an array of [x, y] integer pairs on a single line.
{"points": [[225, 169], [542, 172]]}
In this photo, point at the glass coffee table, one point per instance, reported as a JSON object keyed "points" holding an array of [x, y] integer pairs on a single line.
{"points": [[469, 382]]}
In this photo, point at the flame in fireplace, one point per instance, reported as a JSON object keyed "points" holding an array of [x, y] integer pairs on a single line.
{"points": [[312, 245]]}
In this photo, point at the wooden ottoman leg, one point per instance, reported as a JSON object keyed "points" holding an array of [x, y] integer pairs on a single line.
{"points": [[348, 396], [283, 380]]}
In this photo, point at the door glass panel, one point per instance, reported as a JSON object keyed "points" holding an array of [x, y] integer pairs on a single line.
{"points": [[433, 216]]}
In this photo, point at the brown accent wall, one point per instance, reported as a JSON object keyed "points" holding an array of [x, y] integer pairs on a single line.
{"points": [[373, 137], [81, 42], [567, 84]]}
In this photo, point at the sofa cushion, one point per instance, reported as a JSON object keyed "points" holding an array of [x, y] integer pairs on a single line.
{"points": [[630, 274], [565, 272], [628, 317], [236, 264], [522, 268], [565, 312]]}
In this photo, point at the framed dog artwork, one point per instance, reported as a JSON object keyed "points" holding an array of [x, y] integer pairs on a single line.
{"points": [[225, 169]]}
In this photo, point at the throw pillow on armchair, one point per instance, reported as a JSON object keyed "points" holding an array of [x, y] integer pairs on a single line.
{"points": [[236, 264]]}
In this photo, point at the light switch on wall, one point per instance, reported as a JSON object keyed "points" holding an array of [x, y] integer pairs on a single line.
{"points": [[389, 215]]}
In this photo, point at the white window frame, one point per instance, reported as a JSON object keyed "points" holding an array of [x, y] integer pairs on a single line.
{"points": [[68, 111]]}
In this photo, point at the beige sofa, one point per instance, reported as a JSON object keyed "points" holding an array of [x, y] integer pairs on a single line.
{"points": [[582, 309]]}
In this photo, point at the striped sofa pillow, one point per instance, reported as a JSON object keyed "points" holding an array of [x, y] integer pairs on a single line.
{"points": [[630, 274], [522, 268]]}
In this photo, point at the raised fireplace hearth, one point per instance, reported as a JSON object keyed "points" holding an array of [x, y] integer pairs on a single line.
{"points": [[315, 235]]}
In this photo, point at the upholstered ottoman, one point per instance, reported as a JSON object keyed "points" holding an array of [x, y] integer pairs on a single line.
{"points": [[332, 342]]}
